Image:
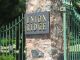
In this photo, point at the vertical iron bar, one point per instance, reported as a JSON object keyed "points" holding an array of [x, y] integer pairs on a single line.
{"points": [[3, 41], [78, 42], [0, 37], [68, 37], [64, 31], [19, 37], [78, 45], [9, 38], [71, 53], [6, 40], [69, 41], [15, 37], [22, 37], [74, 40], [72, 35], [0, 43], [12, 38]]}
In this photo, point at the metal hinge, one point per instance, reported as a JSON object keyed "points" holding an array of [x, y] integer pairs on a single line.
{"points": [[62, 9]]}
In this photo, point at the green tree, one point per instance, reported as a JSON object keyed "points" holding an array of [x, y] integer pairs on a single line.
{"points": [[10, 9], [76, 4]]}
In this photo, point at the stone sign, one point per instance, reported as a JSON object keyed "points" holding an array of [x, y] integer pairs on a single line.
{"points": [[37, 23]]}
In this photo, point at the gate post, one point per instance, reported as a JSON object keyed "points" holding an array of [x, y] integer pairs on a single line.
{"points": [[64, 30]]}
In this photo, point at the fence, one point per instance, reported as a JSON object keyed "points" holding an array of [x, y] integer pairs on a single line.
{"points": [[12, 40], [12, 37]]}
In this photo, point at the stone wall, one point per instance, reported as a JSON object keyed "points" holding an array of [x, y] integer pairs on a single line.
{"points": [[50, 46]]}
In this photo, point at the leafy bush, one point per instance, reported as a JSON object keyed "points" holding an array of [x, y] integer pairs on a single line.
{"points": [[7, 41], [8, 57], [74, 40]]}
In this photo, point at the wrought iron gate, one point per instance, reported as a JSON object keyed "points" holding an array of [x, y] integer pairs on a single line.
{"points": [[73, 35], [71, 31], [12, 40]]}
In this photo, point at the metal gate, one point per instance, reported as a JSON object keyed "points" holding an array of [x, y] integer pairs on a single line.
{"points": [[12, 40], [73, 35], [71, 30], [71, 25]]}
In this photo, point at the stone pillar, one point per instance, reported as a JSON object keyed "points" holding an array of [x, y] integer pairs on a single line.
{"points": [[50, 46]]}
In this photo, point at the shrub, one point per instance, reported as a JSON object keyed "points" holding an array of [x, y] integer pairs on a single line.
{"points": [[8, 57]]}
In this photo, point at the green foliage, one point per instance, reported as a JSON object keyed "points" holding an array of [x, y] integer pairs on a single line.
{"points": [[74, 40], [10, 9], [76, 4], [7, 41], [8, 57]]}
